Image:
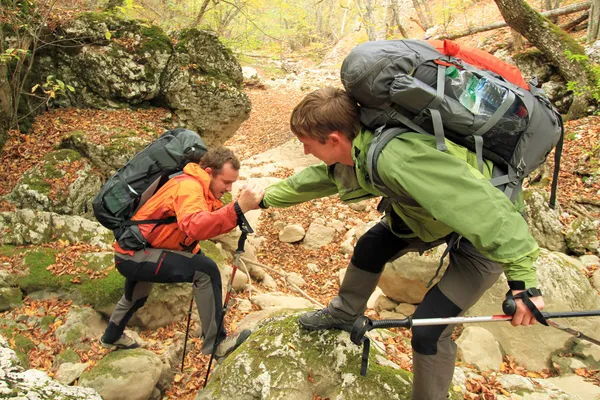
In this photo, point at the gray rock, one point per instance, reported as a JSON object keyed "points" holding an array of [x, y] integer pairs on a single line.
{"points": [[198, 78], [125, 374], [404, 279], [33, 190], [81, 323], [279, 300], [384, 303], [565, 288], [27, 226], [576, 385], [295, 278], [478, 347], [318, 235], [292, 233], [582, 236], [68, 372], [33, 384], [332, 361], [543, 221]]}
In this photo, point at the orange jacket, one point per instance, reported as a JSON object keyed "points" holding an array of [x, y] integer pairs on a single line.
{"points": [[200, 215]]}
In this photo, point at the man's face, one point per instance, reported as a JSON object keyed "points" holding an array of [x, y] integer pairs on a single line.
{"points": [[326, 152], [222, 181]]}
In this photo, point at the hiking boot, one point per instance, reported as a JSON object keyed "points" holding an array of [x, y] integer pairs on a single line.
{"points": [[322, 319], [124, 342], [230, 343]]}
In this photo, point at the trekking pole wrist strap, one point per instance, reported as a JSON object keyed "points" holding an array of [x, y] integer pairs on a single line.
{"points": [[509, 306]]}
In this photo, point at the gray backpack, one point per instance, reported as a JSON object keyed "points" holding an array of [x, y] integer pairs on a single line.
{"points": [[408, 85]]}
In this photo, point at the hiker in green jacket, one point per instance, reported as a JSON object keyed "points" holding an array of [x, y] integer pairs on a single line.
{"points": [[435, 195]]}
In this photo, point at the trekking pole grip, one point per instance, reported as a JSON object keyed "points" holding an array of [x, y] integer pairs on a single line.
{"points": [[246, 229]]}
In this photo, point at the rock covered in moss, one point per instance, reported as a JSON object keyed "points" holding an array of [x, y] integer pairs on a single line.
{"points": [[64, 183], [582, 236], [282, 361], [10, 297], [34, 384], [124, 374], [543, 222], [116, 62], [81, 323], [203, 84], [108, 158], [27, 226]]}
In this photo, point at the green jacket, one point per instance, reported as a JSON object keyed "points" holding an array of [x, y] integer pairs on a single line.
{"points": [[444, 192]]}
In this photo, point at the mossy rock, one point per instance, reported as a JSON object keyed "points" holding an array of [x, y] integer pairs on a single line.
{"points": [[10, 297], [66, 356], [282, 361], [21, 344], [96, 292], [125, 374]]}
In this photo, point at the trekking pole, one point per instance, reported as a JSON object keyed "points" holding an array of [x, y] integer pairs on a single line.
{"points": [[246, 229], [187, 331], [364, 324]]}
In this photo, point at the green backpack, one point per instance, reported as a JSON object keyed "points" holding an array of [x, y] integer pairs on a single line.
{"points": [[132, 185]]}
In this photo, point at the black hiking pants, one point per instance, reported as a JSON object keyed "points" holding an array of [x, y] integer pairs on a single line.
{"points": [[150, 266], [468, 276]]}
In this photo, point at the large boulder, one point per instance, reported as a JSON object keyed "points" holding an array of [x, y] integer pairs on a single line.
{"points": [[115, 62], [124, 375], [565, 288], [202, 83], [405, 279], [34, 384], [63, 183], [281, 361], [27, 226]]}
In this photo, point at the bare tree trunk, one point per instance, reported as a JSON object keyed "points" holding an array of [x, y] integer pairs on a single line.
{"points": [[201, 13], [344, 18], [593, 32], [370, 21], [555, 44], [396, 15], [383, 31], [421, 15]]}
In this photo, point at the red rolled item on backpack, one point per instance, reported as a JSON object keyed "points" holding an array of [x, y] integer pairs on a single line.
{"points": [[480, 59]]}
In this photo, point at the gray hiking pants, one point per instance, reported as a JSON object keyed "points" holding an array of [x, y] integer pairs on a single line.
{"points": [[150, 266], [467, 277]]}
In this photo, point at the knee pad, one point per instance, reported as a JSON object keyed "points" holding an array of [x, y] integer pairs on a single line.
{"points": [[434, 305]]}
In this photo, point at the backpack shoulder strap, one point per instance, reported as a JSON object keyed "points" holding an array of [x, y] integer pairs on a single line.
{"points": [[382, 138]]}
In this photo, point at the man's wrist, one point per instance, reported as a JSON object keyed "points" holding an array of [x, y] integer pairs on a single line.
{"points": [[238, 210]]}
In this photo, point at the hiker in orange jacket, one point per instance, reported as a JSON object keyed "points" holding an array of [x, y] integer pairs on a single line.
{"points": [[194, 199]]}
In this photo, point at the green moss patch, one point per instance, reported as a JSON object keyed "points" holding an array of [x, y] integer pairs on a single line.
{"points": [[67, 355], [38, 277], [22, 344], [155, 40], [101, 292]]}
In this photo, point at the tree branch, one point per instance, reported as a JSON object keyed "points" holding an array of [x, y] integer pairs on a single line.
{"points": [[497, 25]]}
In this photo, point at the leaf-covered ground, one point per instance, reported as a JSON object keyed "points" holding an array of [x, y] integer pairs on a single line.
{"points": [[266, 128], [579, 186]]}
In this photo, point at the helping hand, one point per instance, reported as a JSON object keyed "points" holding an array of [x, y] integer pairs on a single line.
{"points": [[250, 196], [524, 316]]}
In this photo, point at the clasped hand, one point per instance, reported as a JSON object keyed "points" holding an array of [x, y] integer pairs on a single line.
{"points": [[250, 196]]}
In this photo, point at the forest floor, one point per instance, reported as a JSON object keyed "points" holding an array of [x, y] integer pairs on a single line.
{"points": [[266, 128]]}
